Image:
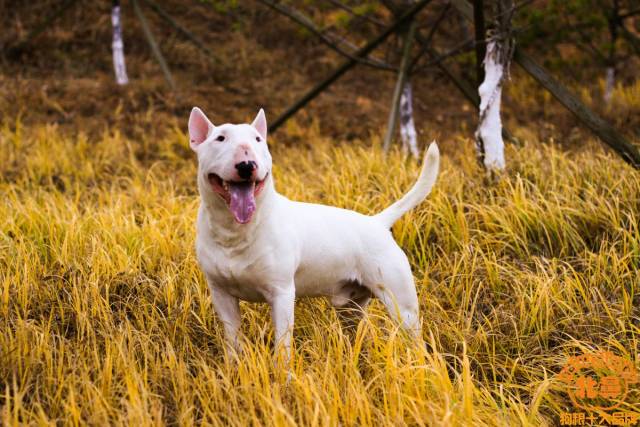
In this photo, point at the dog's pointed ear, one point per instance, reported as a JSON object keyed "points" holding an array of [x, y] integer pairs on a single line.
{"points": [[260, 123], [199, 128]]}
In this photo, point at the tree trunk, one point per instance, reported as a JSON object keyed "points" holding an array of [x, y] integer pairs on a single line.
{"points": [[407, 126], [117, 46], [595, 123], [614, 22], [489, 141], [480, 34], [609, 84], [400, 86]]}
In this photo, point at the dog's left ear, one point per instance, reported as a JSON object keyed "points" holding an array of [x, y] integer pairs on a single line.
{"points": [[260, 123], [199, 128]]}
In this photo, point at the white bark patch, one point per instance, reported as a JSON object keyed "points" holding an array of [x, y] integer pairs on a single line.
{"points": [[489, 134], [117, 46], [407, 125], [609, 83]]}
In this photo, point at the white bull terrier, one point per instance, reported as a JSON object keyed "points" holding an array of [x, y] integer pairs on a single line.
{"points": [[256, 245]]}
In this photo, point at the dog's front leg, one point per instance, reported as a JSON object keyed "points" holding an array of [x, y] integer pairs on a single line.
{"points": [[227, 308], [282, 306]]}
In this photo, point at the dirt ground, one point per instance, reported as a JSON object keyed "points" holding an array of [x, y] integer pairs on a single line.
{"points": [[64, 77]]}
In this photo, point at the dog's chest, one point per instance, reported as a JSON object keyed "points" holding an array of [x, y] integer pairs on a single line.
{"points": [[245, 275]]}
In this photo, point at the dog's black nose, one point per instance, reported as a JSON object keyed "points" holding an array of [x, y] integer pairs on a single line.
{"points": [[245, 169]]}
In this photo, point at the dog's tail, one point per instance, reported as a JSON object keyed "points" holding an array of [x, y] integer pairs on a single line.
{"points": [[418, 192]]}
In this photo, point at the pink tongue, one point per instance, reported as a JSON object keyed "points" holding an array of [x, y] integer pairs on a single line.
{"points": [[242, 202]]}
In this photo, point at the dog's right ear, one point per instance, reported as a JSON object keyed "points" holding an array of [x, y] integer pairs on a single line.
{"points": [[199, 128]]}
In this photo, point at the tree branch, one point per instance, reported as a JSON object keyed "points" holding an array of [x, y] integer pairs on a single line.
{"points": [[438, 21], [356, 14], [631, 38], [429, 37], [348, 64], [179, 28], [402, 78], [629, 14], [435, 60], [155, 49], [305, 22]]}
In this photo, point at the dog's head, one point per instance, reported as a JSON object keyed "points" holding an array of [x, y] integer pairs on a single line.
{"points": [[233, 161]]}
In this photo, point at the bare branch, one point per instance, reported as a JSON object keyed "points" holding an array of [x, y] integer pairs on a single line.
{"points": [[585, 40], [437, 22], [309, 25], [632, 39], [432, 32], [356, 14], [629, 14], [179, 28], [463, 86], [349, 63], [463, 47], [392, 6], [510, 11], [402, 79], [155, 49]]}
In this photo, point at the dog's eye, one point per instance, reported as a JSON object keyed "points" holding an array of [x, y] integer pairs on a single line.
{"points": [[258, 139], [220, 138]]}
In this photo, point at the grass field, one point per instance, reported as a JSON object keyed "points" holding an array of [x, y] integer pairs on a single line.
{"points": [[105, 317]]}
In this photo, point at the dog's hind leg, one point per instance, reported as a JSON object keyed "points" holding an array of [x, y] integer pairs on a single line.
{"points": [[404, 308], [350, 304], [393, 285]]}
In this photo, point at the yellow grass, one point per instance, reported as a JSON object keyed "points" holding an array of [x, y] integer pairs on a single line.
{"points": [[105, 317]]}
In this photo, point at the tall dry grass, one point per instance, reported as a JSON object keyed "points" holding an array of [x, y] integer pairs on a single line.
{"points": [[105, 317]]}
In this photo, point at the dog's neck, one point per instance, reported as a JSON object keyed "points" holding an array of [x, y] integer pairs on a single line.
{"points": [[223, 228]]}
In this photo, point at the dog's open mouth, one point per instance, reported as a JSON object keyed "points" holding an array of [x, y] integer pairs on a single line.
{"points": [[239, 195]]}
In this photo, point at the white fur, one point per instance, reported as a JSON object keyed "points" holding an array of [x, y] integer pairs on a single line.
{"points": [[292, 249]]}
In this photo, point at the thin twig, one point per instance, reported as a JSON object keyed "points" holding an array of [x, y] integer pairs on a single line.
{"points": [[629, 14], [513, 9], [432, 32], [586, 41], [632, 39], [348, 64], [402, 78], [186, 33], [356, 14], [197, 42], [438, 21], [463, 47], [155, 49], [466, 88], [304, 21]]}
